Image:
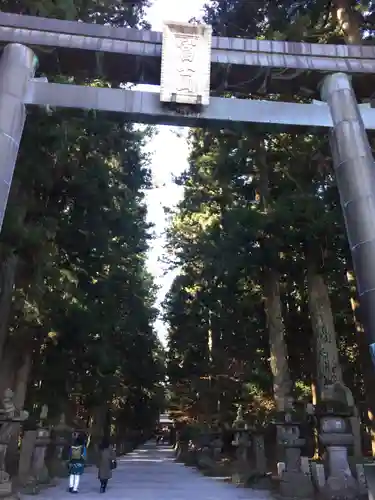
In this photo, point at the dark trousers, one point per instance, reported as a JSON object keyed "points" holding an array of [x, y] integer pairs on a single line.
{"points": [[103, 484]]}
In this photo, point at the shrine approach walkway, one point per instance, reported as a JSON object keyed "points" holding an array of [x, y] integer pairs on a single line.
{"points": [[150, 473]]}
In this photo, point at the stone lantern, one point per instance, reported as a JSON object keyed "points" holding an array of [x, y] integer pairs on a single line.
{"points": [[241, 467], [335, 434], [294, 481]]}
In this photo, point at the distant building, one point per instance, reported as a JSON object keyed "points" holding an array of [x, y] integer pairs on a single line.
{"points": [[165, 420]]}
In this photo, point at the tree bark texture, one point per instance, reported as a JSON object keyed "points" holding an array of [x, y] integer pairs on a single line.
{"points": [[278, 350], [348, 21], [22, 379], [7, 281], [8, 368], [96, 431], [327, 354], [272, 302]]}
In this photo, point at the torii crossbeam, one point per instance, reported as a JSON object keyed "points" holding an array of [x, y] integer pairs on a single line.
{"points": [[125, 55]]}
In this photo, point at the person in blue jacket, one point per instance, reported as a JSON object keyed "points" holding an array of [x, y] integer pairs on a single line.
{"points": [[77, 457]]}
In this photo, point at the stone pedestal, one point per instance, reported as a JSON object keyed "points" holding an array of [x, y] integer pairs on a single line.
{"points": [[259, 454], [205, 459], [295, 481], [336, 436], [259, 477], [340, 483], [57, 466], [10, 418], [25, 462], [39, 468], [216, 446], [60, 437], [242, 472], [209, 452], [182, 451], [6, 489], [241, 468], [318, 475]]}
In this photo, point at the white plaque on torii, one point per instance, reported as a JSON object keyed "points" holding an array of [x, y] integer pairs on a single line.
{"points": [[186, 63]]}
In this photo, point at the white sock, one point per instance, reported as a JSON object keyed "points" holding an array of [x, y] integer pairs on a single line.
{"points": [[76, 482]]}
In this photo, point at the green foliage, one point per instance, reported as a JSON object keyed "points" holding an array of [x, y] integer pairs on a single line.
{"points": [[124, 13], [255, 201], [83, 299]]}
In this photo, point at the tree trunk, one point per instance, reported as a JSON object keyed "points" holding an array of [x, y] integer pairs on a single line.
{"points": [[22, 380], [348, 20], [7, 282], [327, 354], [96, 431], [8, 369], [278, 349], [272, 303]]}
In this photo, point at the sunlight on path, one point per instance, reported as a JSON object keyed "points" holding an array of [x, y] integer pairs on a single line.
{"points": [[151, 473]]}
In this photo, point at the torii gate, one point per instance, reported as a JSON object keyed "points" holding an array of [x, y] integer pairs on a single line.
{"points": [[193, 62]]}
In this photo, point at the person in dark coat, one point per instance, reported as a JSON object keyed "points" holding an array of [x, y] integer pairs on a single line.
{"points": [[107, 462]]}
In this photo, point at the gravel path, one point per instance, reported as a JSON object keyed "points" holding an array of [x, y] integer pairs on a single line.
{"points": [[150, 473]]}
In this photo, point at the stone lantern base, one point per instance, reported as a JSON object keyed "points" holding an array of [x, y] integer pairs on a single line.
{"points": [[296, 484]]}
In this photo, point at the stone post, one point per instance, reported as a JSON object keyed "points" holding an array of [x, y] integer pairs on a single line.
{"points": [[294, 472], [39, 468], [17, 67], [241, 467], [59, 436], [10, 418], [285, 408], [355, 175], [216, 446], [260, 460], [340, 482], [295, 480], [183, 440], [336, 436], [25, 462], [205, 450], [39, 472]]}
